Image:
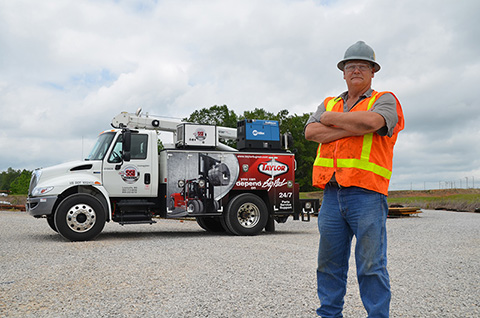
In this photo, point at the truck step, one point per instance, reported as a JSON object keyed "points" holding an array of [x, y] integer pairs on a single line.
{"points": [[136, 203], [133, 217]]}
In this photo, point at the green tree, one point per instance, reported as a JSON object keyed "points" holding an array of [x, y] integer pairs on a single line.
{"points": [[21, 183], [258, 113], [305, 151], [7, 177], [215, 115]]}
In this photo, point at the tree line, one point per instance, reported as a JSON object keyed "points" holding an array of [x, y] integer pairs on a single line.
{"points": [[15, 181], [304, 150]]}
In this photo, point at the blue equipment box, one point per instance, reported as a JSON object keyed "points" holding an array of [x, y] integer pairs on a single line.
{"points": [[258, 134]]}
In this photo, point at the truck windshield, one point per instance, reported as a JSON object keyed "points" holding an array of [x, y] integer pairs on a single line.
{"points": [[101, 146]]}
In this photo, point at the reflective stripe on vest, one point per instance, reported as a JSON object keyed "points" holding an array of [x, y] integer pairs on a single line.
{"points": [[364, 161]]}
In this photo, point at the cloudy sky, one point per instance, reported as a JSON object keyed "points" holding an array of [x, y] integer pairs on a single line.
{"points": [[68, 67]]}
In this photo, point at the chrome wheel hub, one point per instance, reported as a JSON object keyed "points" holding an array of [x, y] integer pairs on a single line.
{"points": [[81, 218], [248, 215]]}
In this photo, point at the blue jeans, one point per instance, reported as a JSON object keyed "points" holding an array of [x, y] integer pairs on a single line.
{"points": [[346, 212]]}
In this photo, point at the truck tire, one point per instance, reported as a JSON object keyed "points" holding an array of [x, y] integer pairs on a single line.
{"points": [[80, 217], [246, 214], [171, 204], [51, 222], [211, 224], [192, 206], [195, 206], [270, 227]]}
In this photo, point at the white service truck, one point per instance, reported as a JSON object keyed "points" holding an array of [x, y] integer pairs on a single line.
{"points": [[127, 178]]}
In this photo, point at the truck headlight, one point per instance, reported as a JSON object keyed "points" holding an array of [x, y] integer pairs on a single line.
{"points": [[41, 191], [34, 180]]}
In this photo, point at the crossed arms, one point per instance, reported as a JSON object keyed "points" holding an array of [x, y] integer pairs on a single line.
{"points": [[336, 125]]}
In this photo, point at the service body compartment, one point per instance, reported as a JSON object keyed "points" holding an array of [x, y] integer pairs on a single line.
{"points": [[201, 182]]}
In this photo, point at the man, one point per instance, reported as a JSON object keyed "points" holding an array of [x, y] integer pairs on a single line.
{"points": [[356, 132]]}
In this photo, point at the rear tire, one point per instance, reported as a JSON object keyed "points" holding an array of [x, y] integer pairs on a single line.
{"points": [[246, 214], [211, 224], [80, 217]]}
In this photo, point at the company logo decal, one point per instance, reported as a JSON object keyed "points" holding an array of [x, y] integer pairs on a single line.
{"points": [[200, 134], [258, 133], [273, 168], [130, 174]]}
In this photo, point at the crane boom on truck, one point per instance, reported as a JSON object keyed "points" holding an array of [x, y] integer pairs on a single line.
{"points": [[139, 121], [128, 179]]}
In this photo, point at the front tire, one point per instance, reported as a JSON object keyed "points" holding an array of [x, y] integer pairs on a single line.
{"points": [[51, 222], [80, 217], [246, 214]]}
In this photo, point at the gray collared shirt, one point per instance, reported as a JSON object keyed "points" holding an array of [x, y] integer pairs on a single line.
{"points": [[385, 105]]}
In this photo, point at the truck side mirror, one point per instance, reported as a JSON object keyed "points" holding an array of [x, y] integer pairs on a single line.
{"points": [[126, 144]]}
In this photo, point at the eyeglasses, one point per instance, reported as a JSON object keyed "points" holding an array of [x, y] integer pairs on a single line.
{"points": [[360, 67]]}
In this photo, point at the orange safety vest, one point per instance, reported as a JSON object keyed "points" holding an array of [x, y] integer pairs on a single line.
{"points": [[360, 161]]}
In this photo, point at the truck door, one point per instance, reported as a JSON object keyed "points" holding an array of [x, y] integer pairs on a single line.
{"points": [[132, 178]]}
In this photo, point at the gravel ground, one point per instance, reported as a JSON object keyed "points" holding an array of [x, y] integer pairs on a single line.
{"points": [[175, 269]]}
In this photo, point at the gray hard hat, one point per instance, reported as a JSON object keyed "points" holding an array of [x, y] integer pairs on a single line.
{"points": [[359, 51]]}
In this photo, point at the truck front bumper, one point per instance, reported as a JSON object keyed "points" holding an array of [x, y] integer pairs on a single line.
{"points": [[38, 206]]}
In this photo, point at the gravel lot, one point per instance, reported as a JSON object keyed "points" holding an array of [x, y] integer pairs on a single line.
{"points": [[175, 269]]}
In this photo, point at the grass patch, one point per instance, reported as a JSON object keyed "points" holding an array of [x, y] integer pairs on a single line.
{"points": [[465, 200]]}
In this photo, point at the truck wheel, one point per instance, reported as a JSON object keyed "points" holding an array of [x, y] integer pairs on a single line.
{"points": [[195, 206], [211, 224], [171, 204], [246, 214], [51, 222], [80, 217], [192, 206]]}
